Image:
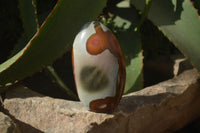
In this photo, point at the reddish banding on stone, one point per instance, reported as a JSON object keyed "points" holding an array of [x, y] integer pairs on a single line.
{"points": [[96, 44], [106, 105]]}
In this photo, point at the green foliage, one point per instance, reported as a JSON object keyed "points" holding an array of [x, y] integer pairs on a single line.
{"points": [[28, 17], [180, 22], [10, 27], [53, 39]]}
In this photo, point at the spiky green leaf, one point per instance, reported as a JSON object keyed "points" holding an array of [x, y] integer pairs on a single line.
{"points": [[52, 40], [180, 22]]}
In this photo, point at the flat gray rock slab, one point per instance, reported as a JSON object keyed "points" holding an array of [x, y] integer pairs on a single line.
{"points": [[165, 107], [7, 125]]}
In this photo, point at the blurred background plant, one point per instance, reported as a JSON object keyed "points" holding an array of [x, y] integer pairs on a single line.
{"points": [[36, 39]]}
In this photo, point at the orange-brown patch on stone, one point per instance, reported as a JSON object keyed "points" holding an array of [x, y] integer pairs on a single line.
{"points": [[106, 105], [102, 40], [97, 42], [108, 41]]}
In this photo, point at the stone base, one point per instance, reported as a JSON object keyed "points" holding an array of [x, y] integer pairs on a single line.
{"points": [[165, 107]]}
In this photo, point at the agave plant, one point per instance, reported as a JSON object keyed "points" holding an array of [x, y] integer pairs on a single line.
{"points": [[42, 43]]}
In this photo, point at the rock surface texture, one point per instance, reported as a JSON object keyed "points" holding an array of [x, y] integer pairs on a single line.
{"points": [[165, 107], [7, 125]]}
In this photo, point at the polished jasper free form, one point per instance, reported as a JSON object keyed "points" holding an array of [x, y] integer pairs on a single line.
{"points": [[98, 67]]}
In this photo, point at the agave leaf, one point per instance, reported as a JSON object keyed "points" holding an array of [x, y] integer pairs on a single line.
{"points": [[131, 47], [180, 22], [196, 5], [27, 14], [130, 42], [52, 40]]}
